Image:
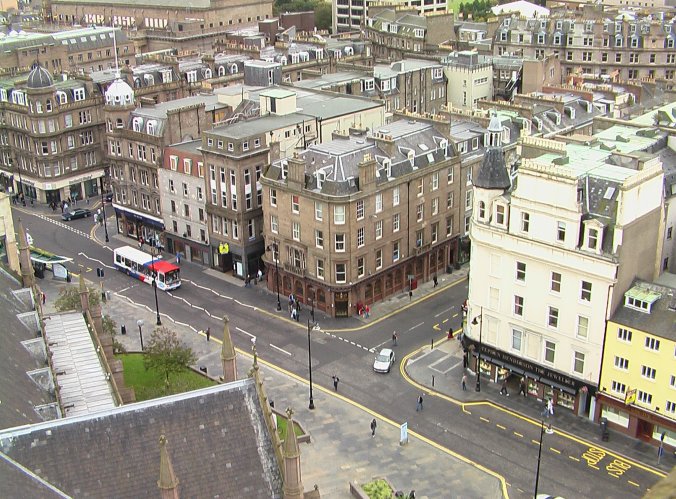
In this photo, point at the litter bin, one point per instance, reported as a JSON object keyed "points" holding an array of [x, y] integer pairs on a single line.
{"points": [[123, 329], [605, 434]]}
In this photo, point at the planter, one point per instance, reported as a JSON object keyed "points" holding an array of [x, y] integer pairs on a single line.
{"points": [[382, 490]]}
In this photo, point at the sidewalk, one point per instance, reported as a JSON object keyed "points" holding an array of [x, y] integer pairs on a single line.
{"points": [[444, 363], [341, 448]]}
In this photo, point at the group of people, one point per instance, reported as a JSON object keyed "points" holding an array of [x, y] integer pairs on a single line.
{"points": [[248, 279], [363, 310], [294, 308]]}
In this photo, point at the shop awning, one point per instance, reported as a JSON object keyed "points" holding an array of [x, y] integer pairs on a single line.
{"points": [[563, 388], [503, 364]]}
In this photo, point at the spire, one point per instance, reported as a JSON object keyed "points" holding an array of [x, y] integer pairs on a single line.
{"points": [[293, 486], [228, 355], [27, 276], [168, 483], [493, 174]]}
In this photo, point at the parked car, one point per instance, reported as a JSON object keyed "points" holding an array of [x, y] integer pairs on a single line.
{"points": [[77, 213], [384, 361]]}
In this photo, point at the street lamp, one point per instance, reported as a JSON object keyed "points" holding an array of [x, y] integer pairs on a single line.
{"points": [[480, 321], [103, 208], [310, 324], [139, 323], [275, 249], [312, 312], [157, 305], [537, 472]]}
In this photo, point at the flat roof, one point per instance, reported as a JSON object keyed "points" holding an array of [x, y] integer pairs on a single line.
{"points": [[82, 381], [277, 93]]}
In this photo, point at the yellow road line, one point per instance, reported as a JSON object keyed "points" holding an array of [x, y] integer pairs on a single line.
{"points": [[518, 434], [555, 450], [501, 427], [574, 458], [633, 483], [536, 442], [484, 419]]}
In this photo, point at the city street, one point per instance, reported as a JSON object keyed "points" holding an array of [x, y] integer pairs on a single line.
{"points": [[504, 441]]}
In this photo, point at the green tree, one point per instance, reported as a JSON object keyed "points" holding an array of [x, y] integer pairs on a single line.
{"points": [[323, 19], [166, 353]]}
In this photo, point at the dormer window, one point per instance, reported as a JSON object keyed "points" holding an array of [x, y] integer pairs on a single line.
{"points": [[500, 214], [387, 164], [78, 94], [137, 124], [592, 239], [152, 125], [367, 85], [321, 177], [641, 299]]}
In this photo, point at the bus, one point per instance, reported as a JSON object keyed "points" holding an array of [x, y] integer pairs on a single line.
{"points": [[143, 266]]}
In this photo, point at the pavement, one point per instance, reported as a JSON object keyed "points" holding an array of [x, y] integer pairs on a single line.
{"points": [[341, 449]]}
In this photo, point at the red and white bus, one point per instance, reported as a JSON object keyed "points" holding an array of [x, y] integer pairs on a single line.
{"points": [[144, 267]]}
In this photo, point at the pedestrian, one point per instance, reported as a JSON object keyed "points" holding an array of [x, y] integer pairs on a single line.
{"points": [[178, 258], [450, 333], [464, 382], [260, 275], [96, 219], [522, 387], [548, 410], [31, 201], [44, 298], [503, 388], [297, 311], [419, 407], [208, 333], [336, 379], [367, 312], [373, 428], [247, 281], [395, 337], [435, 280]]}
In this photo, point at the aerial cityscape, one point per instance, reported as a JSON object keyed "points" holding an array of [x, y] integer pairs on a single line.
{"points": [[338, 248]]}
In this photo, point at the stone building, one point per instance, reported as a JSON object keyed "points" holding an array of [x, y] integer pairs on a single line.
{"points": [[50, 136], [470, 79], [183, 199], [352, 221]]}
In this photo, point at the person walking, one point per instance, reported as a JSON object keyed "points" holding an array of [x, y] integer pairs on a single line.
{"points": [[44, 298], [297, 310], [336, 379], [548, 410], [464, 382], [395, 338], [247, 281], [522, 387], [178, 258], [503, 388], [208, 333], [435, 280], [373, 428], [260, 275], [419, 407]]}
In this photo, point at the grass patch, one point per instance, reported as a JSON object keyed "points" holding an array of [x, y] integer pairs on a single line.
{"points": [[281, 428], [378, 489], [149, 384]]}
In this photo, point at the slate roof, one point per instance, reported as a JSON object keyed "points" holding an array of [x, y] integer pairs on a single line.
{"points": [[39, 77], [660, 321], [217, 440], [492, 174], [18, 393]]}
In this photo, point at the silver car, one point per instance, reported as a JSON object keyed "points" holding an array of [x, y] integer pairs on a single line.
{"points": [[384, 361]]}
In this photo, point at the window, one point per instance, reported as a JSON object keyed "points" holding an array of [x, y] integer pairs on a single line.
{"points": [[582, 326], [379, 202], [274, 224], [449, 226], [550, 350], [553, 317], [561, 232], [644, 397], [339, 215], [360, 237], [593, 239], [449, 175], [652, 343], [340, 242], [648, 372], [295, 204], [395, 251], [618, 387], [421, 187], [624, 335], [319, 211], [435, 206], [578, 362], [379, 259], [434, 232], [585, 291], [395, 196], [482, 210], [521, 271], [379, 229], [518, 305], [341, 273], [360, 267], [555, 283], [468, 200], [360, 209], [395, 222], [449, 200], [621, 363], [320, 269], [435, 181], [420, 212], [525, 222], [671, 407], [500, 214], [295, 231], [517, 338]]}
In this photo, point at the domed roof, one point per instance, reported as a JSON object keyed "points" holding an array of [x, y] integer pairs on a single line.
{"points": [[39, 77], [119, 93]]}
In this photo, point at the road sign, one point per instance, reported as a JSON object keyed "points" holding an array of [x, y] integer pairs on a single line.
{"points": [[630, 397], [403, 437]]}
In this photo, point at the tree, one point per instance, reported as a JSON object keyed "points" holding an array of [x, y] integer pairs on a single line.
{"points": [[323, 19], [166, 353]]}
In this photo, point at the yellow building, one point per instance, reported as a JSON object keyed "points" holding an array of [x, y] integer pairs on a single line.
{"points": [[638, 373]]}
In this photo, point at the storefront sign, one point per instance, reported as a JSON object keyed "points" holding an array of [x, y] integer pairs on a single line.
{"points": [[630, 397]]}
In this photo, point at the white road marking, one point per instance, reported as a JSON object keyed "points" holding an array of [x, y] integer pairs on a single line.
{"points": [[243, 331], [417, 325], [96, 260], [443, 312], [281, 350]]}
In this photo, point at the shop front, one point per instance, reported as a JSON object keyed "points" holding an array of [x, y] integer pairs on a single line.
{"points": [[191, 251], [542, 383], [136, 225]]}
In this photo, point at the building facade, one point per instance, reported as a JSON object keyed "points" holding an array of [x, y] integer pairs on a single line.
{"points": [[354, 220], [50, 137], [470, 79], [550, 248], [638, 380]]}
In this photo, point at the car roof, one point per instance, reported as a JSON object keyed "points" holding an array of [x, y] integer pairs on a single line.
{"points": [[386, 351]]}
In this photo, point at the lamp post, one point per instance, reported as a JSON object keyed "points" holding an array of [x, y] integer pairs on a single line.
{"points": [[312, 312], [103, 209], [480, 321], [157, 305], [139, 323], [537, 472], [275, 249], [310, 324]]}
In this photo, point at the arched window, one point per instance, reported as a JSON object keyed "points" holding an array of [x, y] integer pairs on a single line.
{"points": [[207, 73], [234, 69], [221, 70], [137, 124]]}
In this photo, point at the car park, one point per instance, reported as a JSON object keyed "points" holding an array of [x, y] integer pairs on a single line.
{"points": [[384, 361], [77, 213]]}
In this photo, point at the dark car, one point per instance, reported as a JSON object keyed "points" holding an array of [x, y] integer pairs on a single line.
{"points": [[78, 213], [108, 197]]}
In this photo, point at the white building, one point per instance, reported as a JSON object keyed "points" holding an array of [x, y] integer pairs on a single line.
{"points": [[553, 248], [469, 78], [348, 15]]}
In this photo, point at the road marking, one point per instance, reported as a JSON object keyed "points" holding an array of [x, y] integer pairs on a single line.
{"points": [[444, 321], [96, 260], [633, 483], [555, 450], [536, 442], [484, 419], [518, 434], [281, 350], [501, 427], [243, 331], [442, 312], [455, 315], [417, 325], [574, 458]]}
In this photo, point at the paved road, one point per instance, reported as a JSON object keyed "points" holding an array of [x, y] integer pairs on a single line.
{"points": [[500, 440]]}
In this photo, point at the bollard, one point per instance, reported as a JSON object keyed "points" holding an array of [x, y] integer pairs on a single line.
{"points": [[432, 343], [433, 381]]}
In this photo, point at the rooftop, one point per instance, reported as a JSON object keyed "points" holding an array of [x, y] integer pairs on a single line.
{"points": [[662, 317]]}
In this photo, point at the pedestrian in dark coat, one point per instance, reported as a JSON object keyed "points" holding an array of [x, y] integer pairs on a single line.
{"points": [[503, 388], [208, 333], [522, 387], [373, 428], [419, 407], [336, 379]]}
